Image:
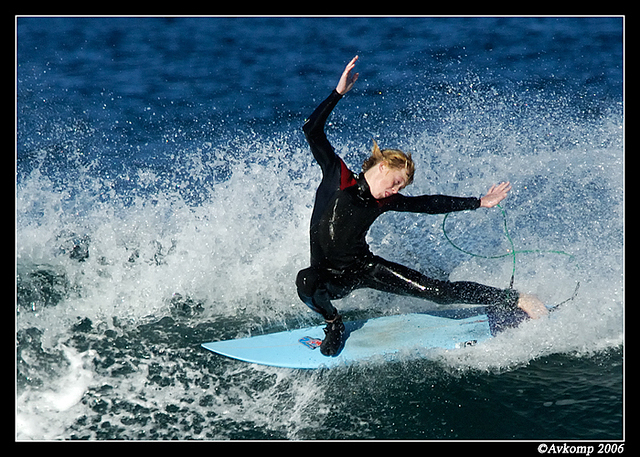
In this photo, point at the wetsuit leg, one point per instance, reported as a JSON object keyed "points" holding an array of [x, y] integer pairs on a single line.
{"points": [[391, 277], [313, 292]]}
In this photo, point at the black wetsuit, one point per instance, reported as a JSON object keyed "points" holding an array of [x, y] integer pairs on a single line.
{"points": [[341, 260]]}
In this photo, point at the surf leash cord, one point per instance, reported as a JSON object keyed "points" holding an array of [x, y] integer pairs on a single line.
{"points": [[513, 252]]}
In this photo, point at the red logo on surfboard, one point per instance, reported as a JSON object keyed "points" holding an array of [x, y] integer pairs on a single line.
{"points": [[309, 342]]}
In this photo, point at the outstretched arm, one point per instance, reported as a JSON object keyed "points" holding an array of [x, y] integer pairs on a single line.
{"points": [[440, 204], [496, 194]]}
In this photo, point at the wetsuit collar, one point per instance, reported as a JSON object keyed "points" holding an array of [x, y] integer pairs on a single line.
{"points": [[363, 190]]}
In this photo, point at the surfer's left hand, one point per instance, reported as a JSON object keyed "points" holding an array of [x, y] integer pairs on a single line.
{"points": [[347, 80], [496, 194]]}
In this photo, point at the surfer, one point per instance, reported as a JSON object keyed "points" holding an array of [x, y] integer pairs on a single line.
{"points": [[346, 205]]}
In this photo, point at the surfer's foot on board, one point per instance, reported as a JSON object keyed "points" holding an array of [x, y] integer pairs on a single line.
{"points": [[532, 305], [333, 337]]}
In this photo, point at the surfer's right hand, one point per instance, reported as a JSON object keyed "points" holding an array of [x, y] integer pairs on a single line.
{"points": [[347, 79], [496, 194]]}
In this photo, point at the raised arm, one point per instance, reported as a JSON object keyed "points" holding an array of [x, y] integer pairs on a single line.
{"points": [[314, 127]]}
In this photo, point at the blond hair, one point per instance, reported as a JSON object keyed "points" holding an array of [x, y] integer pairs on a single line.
{"points": [[394, 158]]}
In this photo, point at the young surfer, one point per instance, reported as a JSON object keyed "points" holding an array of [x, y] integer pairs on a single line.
{"points": [[347, 204]]}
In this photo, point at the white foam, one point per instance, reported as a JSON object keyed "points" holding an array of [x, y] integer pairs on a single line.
{"points": [[45, 413]]}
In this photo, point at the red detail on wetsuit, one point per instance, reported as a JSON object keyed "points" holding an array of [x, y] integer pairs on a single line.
{"points": [[347, 179]]}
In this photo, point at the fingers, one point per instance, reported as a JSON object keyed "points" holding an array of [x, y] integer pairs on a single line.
{"points": [[350, 66], [505, 186], [500, 188]]}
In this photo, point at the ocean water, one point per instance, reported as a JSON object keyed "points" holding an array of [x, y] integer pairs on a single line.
{"points": [[163, 196]]}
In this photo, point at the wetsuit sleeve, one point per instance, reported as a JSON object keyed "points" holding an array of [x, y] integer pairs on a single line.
{"points": [[432, 204], [314, 132]]}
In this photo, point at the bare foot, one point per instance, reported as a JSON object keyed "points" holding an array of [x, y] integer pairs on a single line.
{"points": [[531, 305]]}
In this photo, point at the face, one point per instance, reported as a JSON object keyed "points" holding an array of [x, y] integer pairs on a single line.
{"points": [[384, 181]]}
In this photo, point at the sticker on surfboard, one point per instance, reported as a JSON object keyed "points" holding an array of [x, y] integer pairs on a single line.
{"points": [[467, 344], [309, 342]]}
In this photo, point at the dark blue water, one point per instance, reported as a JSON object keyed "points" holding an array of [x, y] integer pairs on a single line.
{"points": [[164, 190]]}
